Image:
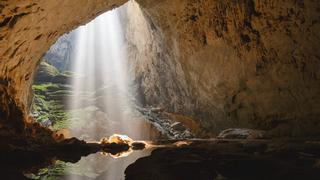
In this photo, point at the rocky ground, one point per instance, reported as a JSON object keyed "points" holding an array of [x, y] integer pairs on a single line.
{"points": [[230, 160], [166, 124]]}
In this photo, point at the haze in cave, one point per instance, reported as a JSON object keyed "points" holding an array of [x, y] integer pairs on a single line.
{"points": [[159, 90]]}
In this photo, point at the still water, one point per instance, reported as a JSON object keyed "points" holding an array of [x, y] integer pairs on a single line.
{"points": [[94, 166]]}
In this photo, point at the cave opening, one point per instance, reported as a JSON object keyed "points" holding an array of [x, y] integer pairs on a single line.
{"points": [[83, 87]]}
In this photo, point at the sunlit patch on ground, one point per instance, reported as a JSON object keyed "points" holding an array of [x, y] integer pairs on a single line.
{"points": [[117, 138]]}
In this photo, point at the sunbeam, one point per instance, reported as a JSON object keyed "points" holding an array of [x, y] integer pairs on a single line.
{"points": [[100, 63]]}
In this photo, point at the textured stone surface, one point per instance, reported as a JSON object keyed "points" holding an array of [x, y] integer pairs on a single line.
{"points": [[211, 159], [251, 64], [247, 63], [27, 30], [242, 134], [59, 55]]}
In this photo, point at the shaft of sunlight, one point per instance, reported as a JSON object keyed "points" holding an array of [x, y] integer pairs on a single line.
{"points": [[101, 104], [101, 80]]}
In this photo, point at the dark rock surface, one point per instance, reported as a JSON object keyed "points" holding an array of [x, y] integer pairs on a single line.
{"points": [[234, 160], [26, 155], [183, 160]]}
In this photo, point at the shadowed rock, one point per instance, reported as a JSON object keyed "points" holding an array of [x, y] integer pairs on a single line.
{"points": [[236, 160]]}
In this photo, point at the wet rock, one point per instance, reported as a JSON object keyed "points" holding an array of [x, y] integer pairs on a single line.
{"points": [[178, 126], [242, 134], [72, 141], [115, 148], [138, 145], [209, 160]]}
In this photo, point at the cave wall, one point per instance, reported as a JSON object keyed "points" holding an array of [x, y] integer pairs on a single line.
{"points": [[246, 63], [156, 74], [27, 30], [251, 64]]}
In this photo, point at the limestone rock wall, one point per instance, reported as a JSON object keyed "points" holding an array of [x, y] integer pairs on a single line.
{"points": [[247, 63], [59, 54], [156, 74]]}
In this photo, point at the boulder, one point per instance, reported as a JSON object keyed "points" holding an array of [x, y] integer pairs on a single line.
{"points": [[178, 126], [238, 133]]}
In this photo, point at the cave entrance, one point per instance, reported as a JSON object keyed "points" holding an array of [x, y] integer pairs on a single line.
{"points": [[83, 87]]}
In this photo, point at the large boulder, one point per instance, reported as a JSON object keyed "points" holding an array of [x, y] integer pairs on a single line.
{"points": [[46, 73], [239, 133], [49, 73]]}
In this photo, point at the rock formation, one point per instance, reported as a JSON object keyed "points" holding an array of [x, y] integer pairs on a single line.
{"points": [[247, 63], [250, 64], [59, 55], [28, 29]]}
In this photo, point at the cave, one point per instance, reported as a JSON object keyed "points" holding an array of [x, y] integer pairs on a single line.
{"points": [[147, 89]]}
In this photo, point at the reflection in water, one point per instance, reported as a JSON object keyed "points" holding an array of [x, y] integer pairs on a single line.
{"points": [[103, 165], [95, 166], [202, 159], [118, 155], [118, 165]]}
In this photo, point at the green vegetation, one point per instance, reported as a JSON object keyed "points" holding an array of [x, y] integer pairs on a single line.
{"points": [[50, 173], [51, 92], [45, 87], [47, 108], [60, 169]]}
